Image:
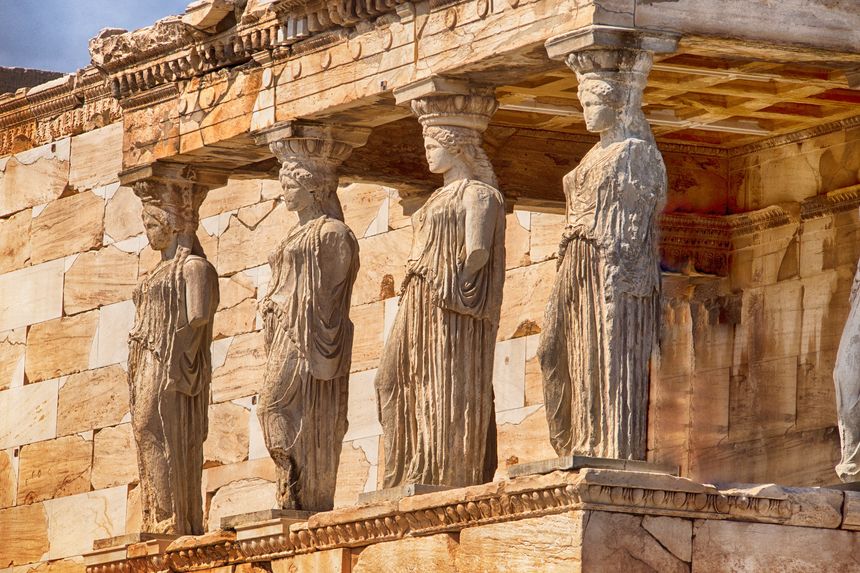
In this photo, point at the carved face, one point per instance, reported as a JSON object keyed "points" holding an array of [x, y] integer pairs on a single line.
{"points": [[439, 159], [296, 195], [157, 227], [599, 115]]}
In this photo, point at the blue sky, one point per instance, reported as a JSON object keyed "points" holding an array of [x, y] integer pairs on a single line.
{"points": [[53, 34]]}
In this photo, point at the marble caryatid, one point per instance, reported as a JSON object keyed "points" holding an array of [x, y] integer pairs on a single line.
{"points": [[303, 402], [434, 385], [602, 318], [846, 375], [169, 364]]}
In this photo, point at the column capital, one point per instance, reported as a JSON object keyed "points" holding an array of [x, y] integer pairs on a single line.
{"points": [[318, 139], [611, 37], [176, 173], [439, 86]]}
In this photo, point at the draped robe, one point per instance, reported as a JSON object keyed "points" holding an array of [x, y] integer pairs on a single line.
{"points": [[434, 385]]}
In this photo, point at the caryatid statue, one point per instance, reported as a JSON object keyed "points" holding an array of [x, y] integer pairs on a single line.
{"points": [[434, 385], [303, 403], [602, 318], [169, 364], [846, 375]]}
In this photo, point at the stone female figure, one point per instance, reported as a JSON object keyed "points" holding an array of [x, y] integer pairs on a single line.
{"points": [[169, 365], [846, 375], [303, 403], [434, 384], [602, 318]]}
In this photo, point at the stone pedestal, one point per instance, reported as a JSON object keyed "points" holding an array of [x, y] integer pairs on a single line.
{"points": [[567, 463], [130, 548], [589, 520], [399, 492]]}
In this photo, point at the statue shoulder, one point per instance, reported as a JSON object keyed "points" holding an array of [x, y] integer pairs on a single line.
{"points": [[483, 191], [199, 267], [335, 233]]}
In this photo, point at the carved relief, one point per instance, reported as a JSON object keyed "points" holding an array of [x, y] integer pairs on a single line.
{"points": [[302, 407], [434, 384], [169, 365], [602, 318]]}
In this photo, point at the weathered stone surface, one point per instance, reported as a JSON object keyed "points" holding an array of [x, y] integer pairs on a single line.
{"points": [[242, 371], [227, 441], [509, 374], [241, 496], [123, 215], [8, 479], [67, 226], [214, 478], [523, 436], [33, 177], [13, 344], [352, 475], [811, 506], [60, 346], [29, 414], [97, 278], [235, 194], [331, 561], [54, 468], [363, 419], [235, 289], [433, 553], [114, 457], [73, 565], [617, 542], [517, 237], [542, 545], [96, 157], [74, 522], [15, 241], [546, 230], [367, 346], [365, 208], [673, 533], [25, 537], [237, 319], [92, 399], [41, 301], [262, 224], [111, 340], [525, 294], [734, 547], [384, 265]]}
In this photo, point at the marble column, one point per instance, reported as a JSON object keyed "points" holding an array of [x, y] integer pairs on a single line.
{"points": [[169, 365], [434, 385], [303, 403], [602, 319]]}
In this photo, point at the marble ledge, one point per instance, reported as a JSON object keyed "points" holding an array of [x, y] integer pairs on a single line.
{"points": [[453, 510]]}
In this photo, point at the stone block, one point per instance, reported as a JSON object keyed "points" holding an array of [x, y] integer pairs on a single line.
{"points": [[42, 299], [523, 436], [237, 319], [546, 231], [525, 294], [34, 177], [239, 247], [618, 542], [361, 413], [15, 241], [533, 374], [110, 345], [735, 547], [365, 208], [851, 510], [509, 374], [235, 289], [227, 441], [73, 565], [517, 238], [96, 157], [25, 534], [98, 278], [114, 457], [13, 344], [673, 533], [61, 346], [240, 496], [241, 373], [54, 468], [217, 477], [76, 521], [383, 265], [353, 475], [123, 215], [29, 414], [8, 478], [435, 553], [368, 320], [92, 399], [235, 194], [331, 561], [536, 545], [67, 226]]}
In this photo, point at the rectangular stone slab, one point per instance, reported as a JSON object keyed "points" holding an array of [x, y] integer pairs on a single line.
{"points": [[129, 538], [399, 492], [581, 462]]}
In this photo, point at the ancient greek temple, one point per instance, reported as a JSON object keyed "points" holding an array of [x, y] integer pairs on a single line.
{"points": [[455, 286]]}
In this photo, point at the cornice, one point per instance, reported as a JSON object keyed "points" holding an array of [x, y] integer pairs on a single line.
{"points": [[794, 137]]}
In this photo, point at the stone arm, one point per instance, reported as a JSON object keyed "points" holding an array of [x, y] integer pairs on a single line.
{"points": [[481, 213], [201, 298]]}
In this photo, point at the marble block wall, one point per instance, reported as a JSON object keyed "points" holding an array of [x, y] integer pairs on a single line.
{"points": [[742, 388]]}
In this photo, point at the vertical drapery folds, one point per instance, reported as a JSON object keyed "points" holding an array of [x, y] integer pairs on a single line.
{"points": [[602, 318]]}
